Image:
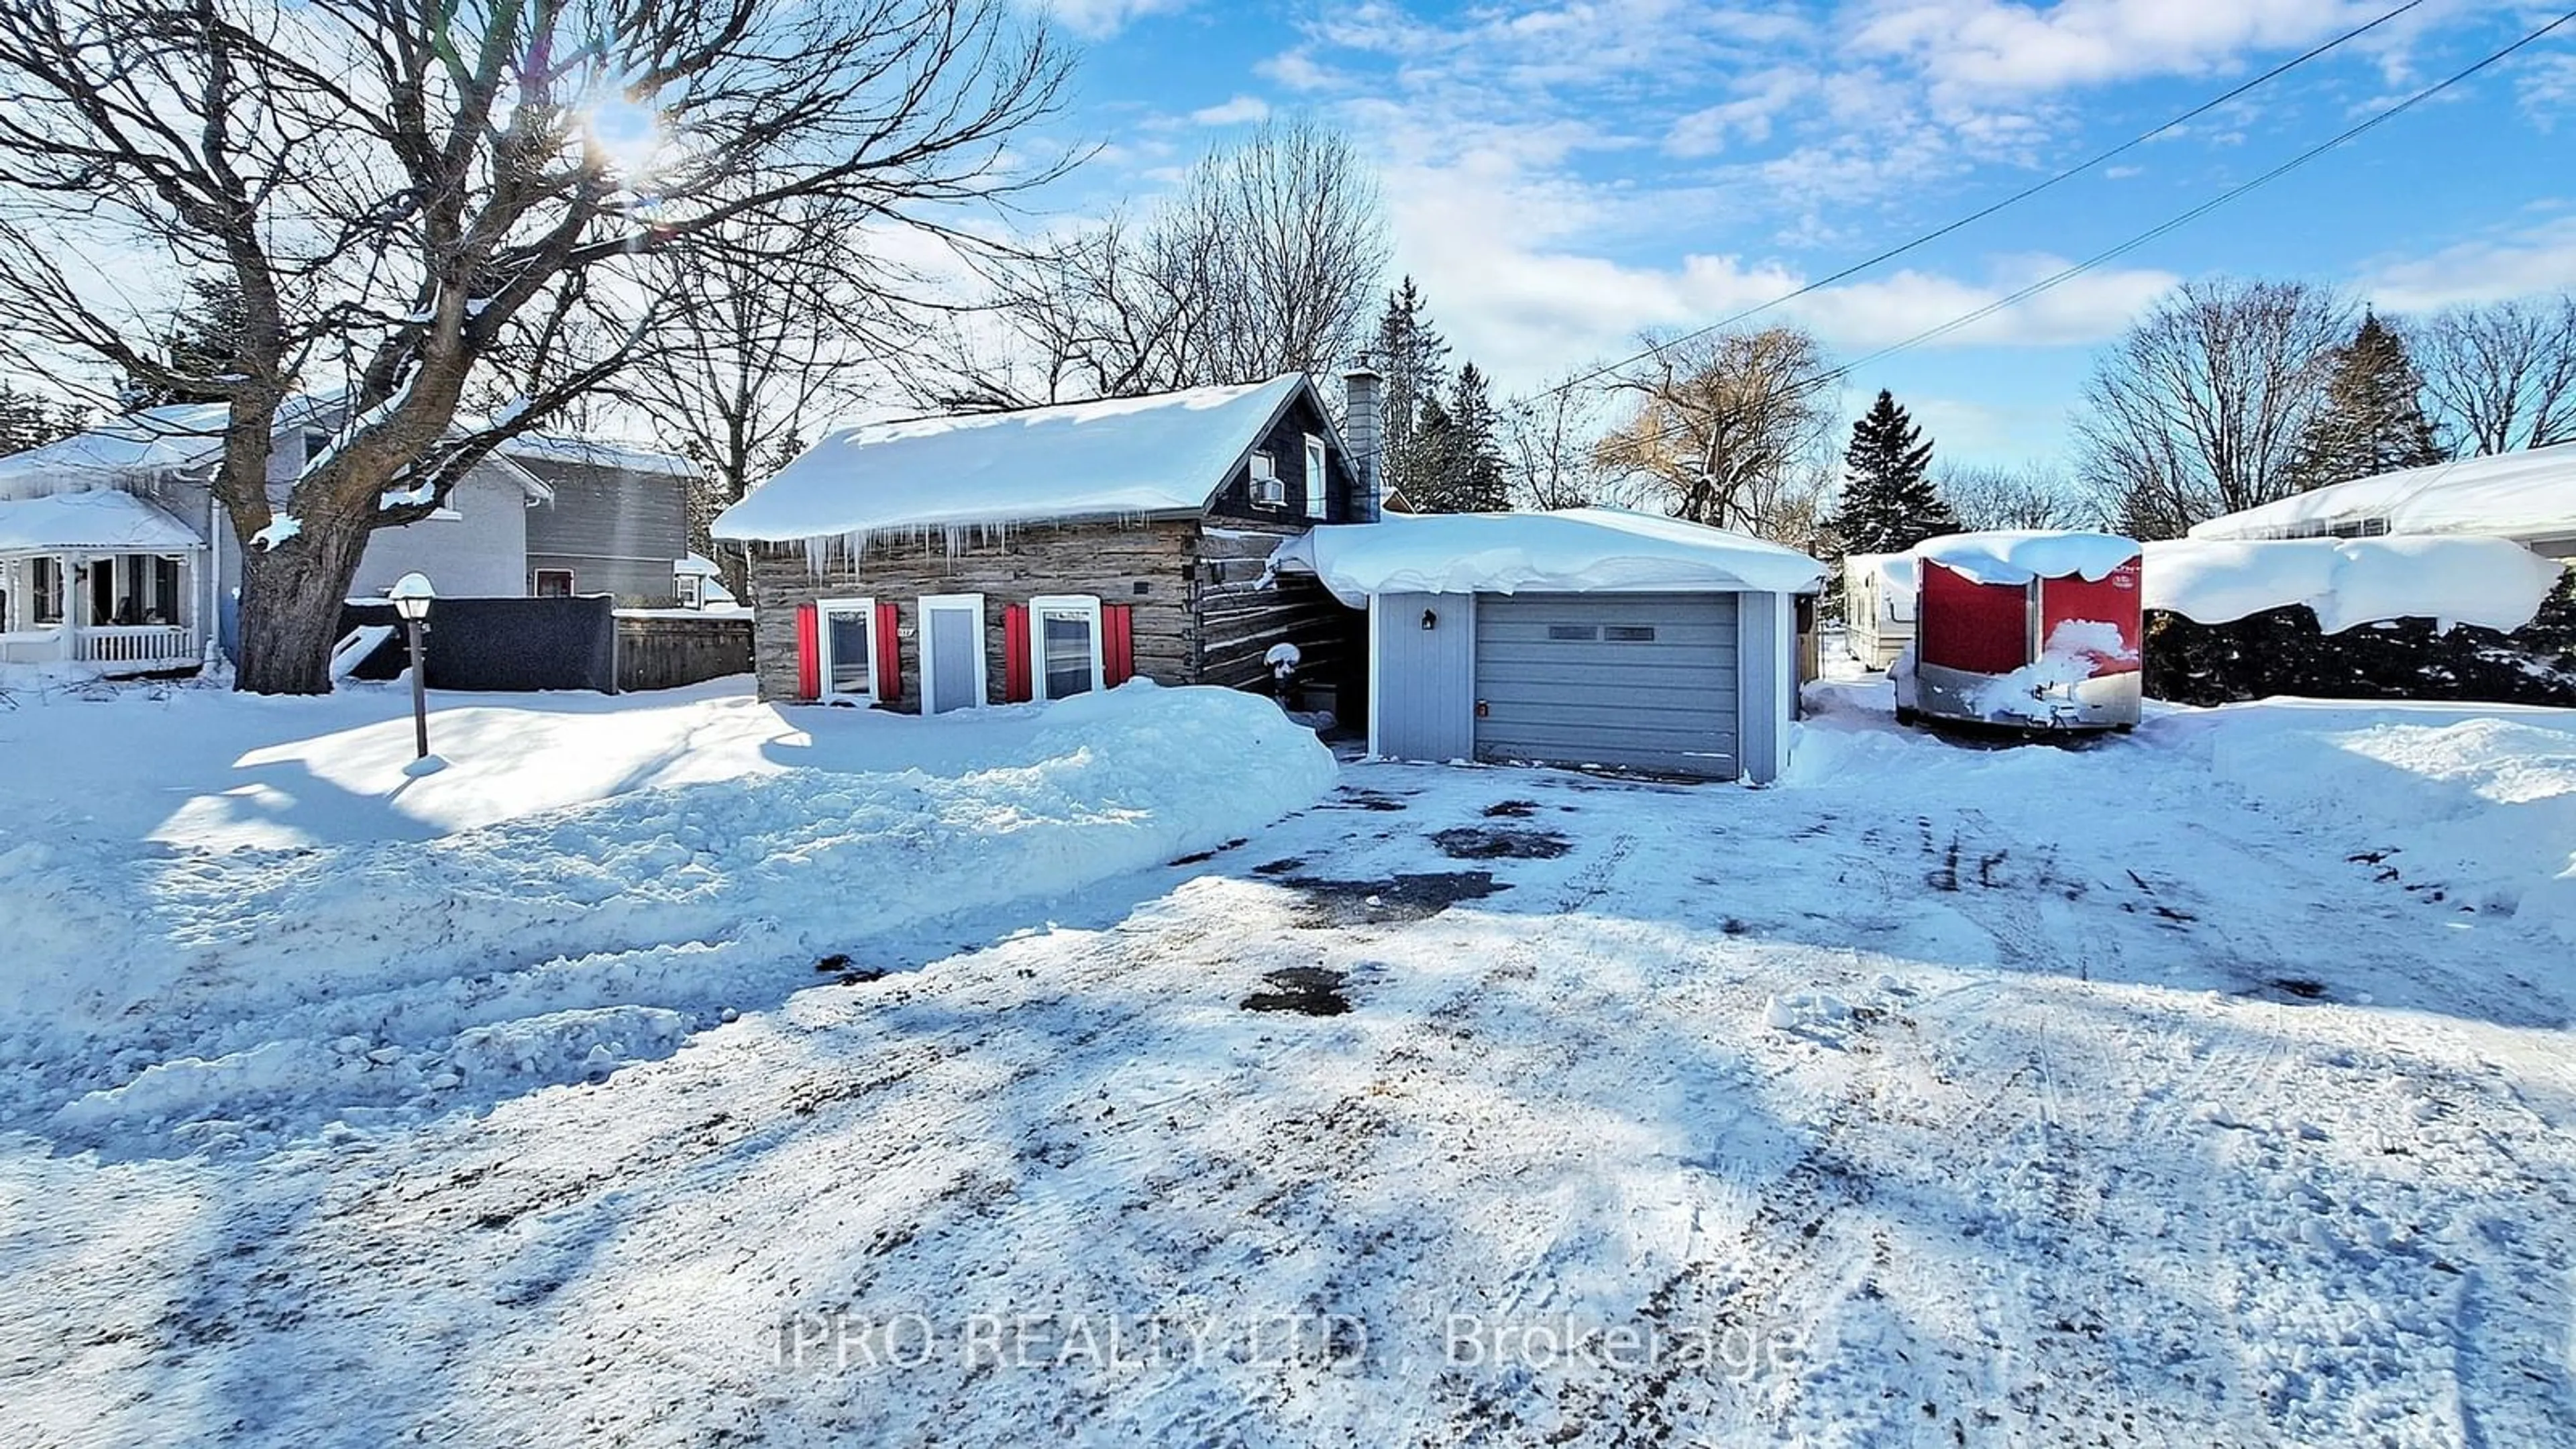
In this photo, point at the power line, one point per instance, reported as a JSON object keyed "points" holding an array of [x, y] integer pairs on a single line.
{"points": [[2044, 284], [1982, 213]]}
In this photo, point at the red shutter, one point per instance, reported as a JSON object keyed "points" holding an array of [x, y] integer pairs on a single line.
{"points": [[809, 653], [1015, 654], [889, 653], [1117, 644]]}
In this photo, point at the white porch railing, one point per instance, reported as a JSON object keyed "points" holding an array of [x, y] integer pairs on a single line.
{"points": [[133, 645]]}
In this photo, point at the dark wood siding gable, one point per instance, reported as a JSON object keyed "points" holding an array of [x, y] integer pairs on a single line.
{"points": [[1286, 443]]}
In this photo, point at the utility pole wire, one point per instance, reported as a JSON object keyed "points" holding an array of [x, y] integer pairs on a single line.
{"points": [[1981, 214], [2376, 120]]}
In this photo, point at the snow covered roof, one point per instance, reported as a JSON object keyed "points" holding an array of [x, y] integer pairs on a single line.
{"points": [[102, 520], [2527, 495], [2493, 582], [154, 440], [2016, 556], [597, 453], [1120, 457], [696, 566], [1574, 550], [1897, 571]]}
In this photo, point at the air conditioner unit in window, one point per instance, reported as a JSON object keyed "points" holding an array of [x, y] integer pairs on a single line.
{"points": [[1266, 485]]}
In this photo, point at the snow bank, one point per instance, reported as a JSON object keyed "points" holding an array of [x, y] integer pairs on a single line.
{"points": [[2530, 494], [1121, 457], [1578, 550], [2478, 804], [2348, 582], [2016, 556], [262, 991]]}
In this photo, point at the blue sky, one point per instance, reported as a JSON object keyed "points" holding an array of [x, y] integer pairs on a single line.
{"points": [[1560, 175]]}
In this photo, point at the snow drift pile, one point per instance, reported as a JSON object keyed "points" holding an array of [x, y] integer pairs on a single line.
{"points": [[2017, 556], [2347, 582], [1572, 550], [243, 993]]}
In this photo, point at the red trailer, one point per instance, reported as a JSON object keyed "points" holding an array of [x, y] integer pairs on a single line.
{"points": [[2025, 630]]}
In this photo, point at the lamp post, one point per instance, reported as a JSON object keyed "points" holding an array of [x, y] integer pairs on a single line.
{"points": [[411, 595]]}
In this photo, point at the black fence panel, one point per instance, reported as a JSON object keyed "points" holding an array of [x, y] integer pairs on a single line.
{"points": [[501, 644]]}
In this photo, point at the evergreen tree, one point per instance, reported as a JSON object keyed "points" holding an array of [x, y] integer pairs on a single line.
{"points": [[1413, 358], [204, 340], [2372, 420], [1889, 504], [1459, 450], [28, 420]]}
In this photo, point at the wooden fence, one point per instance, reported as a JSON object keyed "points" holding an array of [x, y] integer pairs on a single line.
{"points": [[664, 649]]}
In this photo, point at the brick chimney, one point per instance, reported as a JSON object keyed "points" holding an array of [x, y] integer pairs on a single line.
{"points": [[1364, 429]]}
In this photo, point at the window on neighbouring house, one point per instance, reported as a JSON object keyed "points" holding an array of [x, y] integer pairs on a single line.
{"points": [[1065, 637], [163, 607], [1317, 480], [46, 587], [553, 584]]}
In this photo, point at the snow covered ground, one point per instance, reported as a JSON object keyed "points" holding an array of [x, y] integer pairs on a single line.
{"points": [[2208, 1086]]}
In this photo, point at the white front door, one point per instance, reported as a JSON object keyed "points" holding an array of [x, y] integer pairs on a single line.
{"points": [[849, 657]]}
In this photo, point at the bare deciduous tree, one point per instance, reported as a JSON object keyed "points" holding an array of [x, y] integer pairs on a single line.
{"points": [[416, 199], [755, 347], [1264, 262], [2199, 409], [2030, 496], [1732, 429], [1552, 447], [2504, 373]]}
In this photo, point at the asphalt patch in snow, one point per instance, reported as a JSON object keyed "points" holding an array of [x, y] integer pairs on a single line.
{"points": [[1304, 990], [1403, 898], [1204, 856], [1474, 842], [1350, 799], [1511, 810]]}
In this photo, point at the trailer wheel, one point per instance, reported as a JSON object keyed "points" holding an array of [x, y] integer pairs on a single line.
{"points": [[1907, 714]]}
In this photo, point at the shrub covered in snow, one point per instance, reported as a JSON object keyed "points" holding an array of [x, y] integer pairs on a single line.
{"points": [[2283, 651]]}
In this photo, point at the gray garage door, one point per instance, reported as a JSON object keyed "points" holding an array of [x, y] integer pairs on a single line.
{"points": [[1642, 681]]}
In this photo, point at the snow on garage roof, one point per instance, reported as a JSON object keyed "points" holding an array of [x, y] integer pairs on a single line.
{"points": [[104, 521], [2528, 495], [2016, 556], [1118, 457], [1574, 550], [2347, 582]]}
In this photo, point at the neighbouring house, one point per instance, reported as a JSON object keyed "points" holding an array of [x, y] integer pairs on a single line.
{"points": [[699, 584], [2528, 497], [160, 598], [618, 523], [544, 515], [1584, 637], [942, 563]]}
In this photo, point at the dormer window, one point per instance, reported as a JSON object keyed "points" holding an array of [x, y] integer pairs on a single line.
{"points": [[1268, 489]]}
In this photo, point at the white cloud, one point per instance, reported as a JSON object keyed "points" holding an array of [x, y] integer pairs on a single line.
{"points": [[1298, 71], [2547, 89], [1965, 45], [1100, 19], [1240, 111], [1760, 100], [2540, 259]]}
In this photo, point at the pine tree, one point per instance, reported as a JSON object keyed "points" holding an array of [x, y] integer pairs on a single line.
{"points": [[1413, 358], [1459, 450], [1889, 504], [203, 341], [2373, 418], [28, 420]]}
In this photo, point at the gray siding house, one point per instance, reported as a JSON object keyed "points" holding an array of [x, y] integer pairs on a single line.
{"points": [[617, 524]]}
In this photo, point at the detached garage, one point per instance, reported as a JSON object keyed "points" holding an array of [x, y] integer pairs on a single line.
{"points": [[1588, 637]]}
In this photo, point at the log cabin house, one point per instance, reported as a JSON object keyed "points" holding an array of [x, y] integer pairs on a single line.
{"points": [[943, 563]]}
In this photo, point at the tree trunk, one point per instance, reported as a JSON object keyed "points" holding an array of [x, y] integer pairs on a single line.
{"points": [[290, 610]]}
